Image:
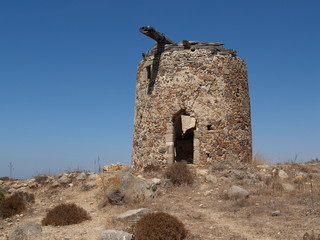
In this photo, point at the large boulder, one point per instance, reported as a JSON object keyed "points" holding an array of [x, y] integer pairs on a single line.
{"points": [[124, 187]]}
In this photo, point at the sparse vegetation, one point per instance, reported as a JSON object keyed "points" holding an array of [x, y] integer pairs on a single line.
{"points": [[159, 226], [179, 173], [41, 179], [2, 195], [65, 214], [259, 159], [11, 206], [25, 197]]}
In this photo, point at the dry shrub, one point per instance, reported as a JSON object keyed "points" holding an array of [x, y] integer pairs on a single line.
{"points": [[4, 178], [179, 173], [25, 197], [259, 159], [159, 226], [11, 206], [41, 179], [2, 195], [151, 168], [65, 214]]}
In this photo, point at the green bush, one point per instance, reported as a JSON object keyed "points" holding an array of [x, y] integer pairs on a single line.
{"points": [[11, 206], [159, 226], [65, 214], [179, 173]]}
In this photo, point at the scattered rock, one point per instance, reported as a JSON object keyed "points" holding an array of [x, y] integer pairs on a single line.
{"points": [[65, 180], [276, 213], [282, 174], [116, 167], [237, 193], [310, 236], [81, 176], [93, 176], [25, 230], [156, 181], [1, 182], [126, 188], [288, 187], [134, 214], [211, 178], [114, 235]]}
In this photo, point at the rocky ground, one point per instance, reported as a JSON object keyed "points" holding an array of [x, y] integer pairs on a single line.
{"points": [[226, 201]]}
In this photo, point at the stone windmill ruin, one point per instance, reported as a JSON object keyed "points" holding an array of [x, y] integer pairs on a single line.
{"points": [[192, 103]]}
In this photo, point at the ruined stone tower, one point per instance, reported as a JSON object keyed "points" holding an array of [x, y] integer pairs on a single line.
{"points": [[192, 103]]}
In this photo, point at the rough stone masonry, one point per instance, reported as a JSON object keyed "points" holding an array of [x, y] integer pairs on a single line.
{"points": [[192, 103]]}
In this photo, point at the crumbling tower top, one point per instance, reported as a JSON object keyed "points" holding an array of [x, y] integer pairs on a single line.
{"points": [[165, 44]]}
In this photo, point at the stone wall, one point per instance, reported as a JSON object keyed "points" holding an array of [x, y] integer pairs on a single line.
{"points": [[191, 100]]}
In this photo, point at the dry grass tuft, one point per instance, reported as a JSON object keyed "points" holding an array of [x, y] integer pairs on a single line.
{"points": [[25, 197], [2, 195], [65, 214], [41, 179], [11, 206], [179, 173], [159, 226]]}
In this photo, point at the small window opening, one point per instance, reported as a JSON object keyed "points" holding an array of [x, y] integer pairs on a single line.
{"points": [[209, 127], [148, 68]]}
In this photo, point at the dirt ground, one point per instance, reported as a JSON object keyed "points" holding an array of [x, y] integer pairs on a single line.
{"points": [[203, 206]]}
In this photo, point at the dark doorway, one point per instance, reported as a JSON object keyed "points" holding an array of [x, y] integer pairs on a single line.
{"points": [[184, 127]]}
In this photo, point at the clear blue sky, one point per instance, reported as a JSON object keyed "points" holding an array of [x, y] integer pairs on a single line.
{"points": [[68, 72]]}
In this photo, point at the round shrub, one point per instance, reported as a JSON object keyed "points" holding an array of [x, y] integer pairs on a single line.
{"points": [[179, 173], [11, 206], [159, 226], [65, 214]]}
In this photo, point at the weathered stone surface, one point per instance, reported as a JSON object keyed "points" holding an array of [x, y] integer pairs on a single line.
{"points": [[237, 193], [211, 178], [134, 214], [282, 174], [128, 188], [114, 235], [288, 187], [191, 105], [65, 180], [81, 176], [276, 213], [25, 230]]}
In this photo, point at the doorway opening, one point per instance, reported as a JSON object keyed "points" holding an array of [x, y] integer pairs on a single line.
{"points": [[184, 127]]}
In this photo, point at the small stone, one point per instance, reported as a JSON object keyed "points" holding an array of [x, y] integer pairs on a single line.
{"points": [[93, 176], [134, 214], [237, 193], [288, 187], [156, 181], [65, 180], [211, 178], [115, 235], [81, 176], [282, 174], [24, 230], [276, 213]]}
